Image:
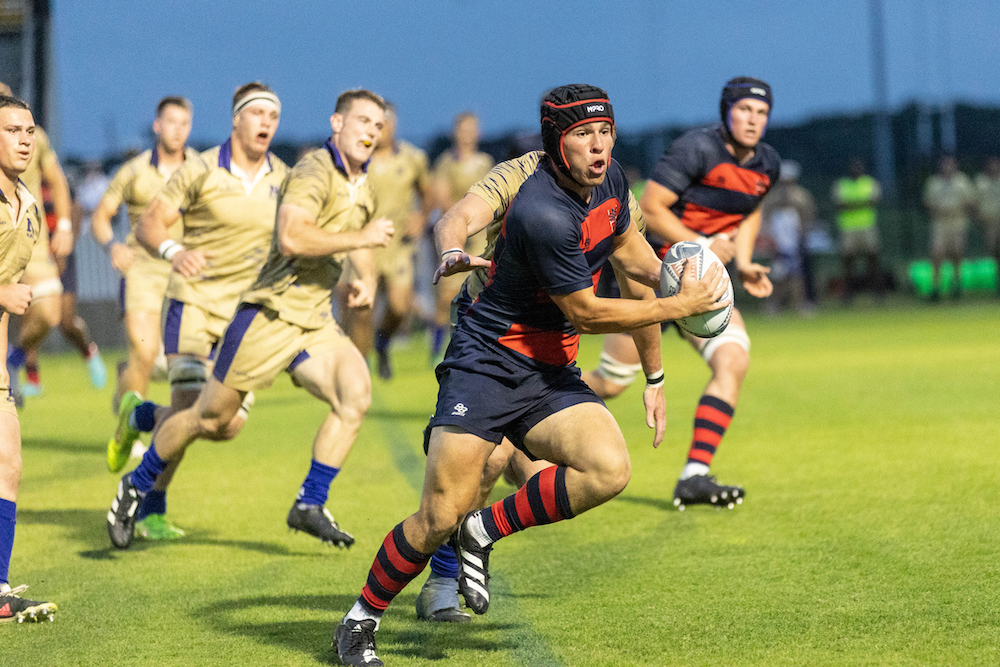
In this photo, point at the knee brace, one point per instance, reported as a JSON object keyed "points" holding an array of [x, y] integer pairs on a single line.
{"points": [[187, 373], [730, 335], [615, 371]]}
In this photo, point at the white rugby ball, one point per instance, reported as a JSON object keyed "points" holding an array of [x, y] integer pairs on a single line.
{"points": [[705, 325]]}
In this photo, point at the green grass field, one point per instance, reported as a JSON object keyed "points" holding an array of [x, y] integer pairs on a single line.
{"points": [[867, 441]]}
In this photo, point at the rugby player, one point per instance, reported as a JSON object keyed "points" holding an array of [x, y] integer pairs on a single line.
{"points": [[21, 229], [284, 322], [708, 188], [227, 199], [399, 178], [509, 368], [455, 171], [42, 273], [484, 207], [144, 276]]}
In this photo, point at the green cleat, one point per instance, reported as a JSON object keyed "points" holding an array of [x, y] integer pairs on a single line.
{"points": [[157, 527], [120, 446]]}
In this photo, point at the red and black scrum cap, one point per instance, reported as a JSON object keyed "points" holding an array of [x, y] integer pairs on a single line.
{"points": [[567, 107]]}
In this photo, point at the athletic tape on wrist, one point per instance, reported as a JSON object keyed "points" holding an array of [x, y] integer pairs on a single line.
{"points": [[64, 225], [451, 251], [169, 248], [655, 380]]}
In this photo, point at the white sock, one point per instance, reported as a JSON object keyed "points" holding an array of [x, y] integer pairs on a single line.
{"points": [[478, 531], [359, 613], [692, 469]]}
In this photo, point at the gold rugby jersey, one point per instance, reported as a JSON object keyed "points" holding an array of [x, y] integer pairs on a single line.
{"points": [[498, 189], [18, 237], [298, 288], [460, 176], [222, 219], [135, 184], [398, 181]]}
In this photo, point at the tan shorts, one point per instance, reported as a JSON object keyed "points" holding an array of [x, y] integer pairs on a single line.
{"points": [[948, 238], [859, 241], [395, 265], [146, 283], [42, 273], [189, 329], [258, 346]]}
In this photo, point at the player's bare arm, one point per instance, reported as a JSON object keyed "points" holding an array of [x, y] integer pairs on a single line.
{"points": [[469, 216], [15, 298], [100, 226], [363, 286], [661, 221], [299, 236], [753, 275], [152, 234], [62, 239]]}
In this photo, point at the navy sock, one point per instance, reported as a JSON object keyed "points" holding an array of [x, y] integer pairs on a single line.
{"points": [[143, 417], [8, 517], [381, 342], [155, 502], [444, 563], [146, 473], [316, 487], [16, 357]]}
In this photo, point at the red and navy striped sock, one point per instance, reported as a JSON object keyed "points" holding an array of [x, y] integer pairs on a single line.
{"points": [[711, 420], [396, 564], [543, 499]]}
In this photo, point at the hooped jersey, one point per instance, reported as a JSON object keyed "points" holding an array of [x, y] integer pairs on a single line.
{"points": [[715, 194], [551, 242]]}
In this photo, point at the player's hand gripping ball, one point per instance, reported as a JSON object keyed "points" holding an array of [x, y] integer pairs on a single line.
{"points": [[705, 325]]}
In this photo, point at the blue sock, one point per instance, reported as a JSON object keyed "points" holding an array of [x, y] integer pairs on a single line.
{"points": [[444, 563], [437, 340], [143, 417], [146, 473], [8, 517], [155, 502], [16, 357], [317, 485], [381, 342]]}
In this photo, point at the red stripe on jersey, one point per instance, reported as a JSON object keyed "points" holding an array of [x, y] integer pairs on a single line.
{"points": [[708, 221], [550, 347], [599, 224], [730, 177]]}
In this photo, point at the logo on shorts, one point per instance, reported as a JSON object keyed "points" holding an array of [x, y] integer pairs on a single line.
{"points": [[460, 410]]}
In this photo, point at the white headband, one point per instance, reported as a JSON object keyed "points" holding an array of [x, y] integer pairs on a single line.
{"points": [[253, 97]]}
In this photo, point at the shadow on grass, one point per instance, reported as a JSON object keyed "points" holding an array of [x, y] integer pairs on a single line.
{"points": [[666, 504], [88, 447], [411, 638]]}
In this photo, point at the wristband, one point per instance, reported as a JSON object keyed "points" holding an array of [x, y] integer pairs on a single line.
{"points": [[655, 380], [169, 248], [451, 251], [64, 225]]}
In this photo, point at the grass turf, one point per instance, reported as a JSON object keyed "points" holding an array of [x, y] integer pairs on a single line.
{"points": [[866, 440]]}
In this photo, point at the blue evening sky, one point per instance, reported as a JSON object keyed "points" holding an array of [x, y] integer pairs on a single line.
{"points": [[661, 61]]}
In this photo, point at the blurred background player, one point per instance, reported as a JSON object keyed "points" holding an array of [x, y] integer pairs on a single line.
{"points": [[226, 200], [949, 198], [399, 178], [455, 171], [988, 208], [284, 322], [42, 274], [144, 276], [856, 197], [21, 229], [708, 188], [787, 214]]}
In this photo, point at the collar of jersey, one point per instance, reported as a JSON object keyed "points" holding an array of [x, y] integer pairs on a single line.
{"points": [[226, 156], [25, 196], [339, 161]]}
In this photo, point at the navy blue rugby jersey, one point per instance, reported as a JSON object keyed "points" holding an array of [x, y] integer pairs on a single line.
{"points": [[715, 193], [550, 242]]}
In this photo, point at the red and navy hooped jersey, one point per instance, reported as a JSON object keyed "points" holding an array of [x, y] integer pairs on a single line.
{"points": [[715, 194], [551, 242]]}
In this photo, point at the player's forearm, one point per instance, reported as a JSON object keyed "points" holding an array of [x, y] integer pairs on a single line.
{"points": [[100, 226], [311, 241], [59, 187], [363, 261], [746, 239], [626, 315], [647, 339]]}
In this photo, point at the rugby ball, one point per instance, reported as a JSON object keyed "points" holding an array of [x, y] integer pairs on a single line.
{"points": [[705, 325]]}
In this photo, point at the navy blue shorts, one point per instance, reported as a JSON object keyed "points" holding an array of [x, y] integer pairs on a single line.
{"points": [[486, 392]]}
